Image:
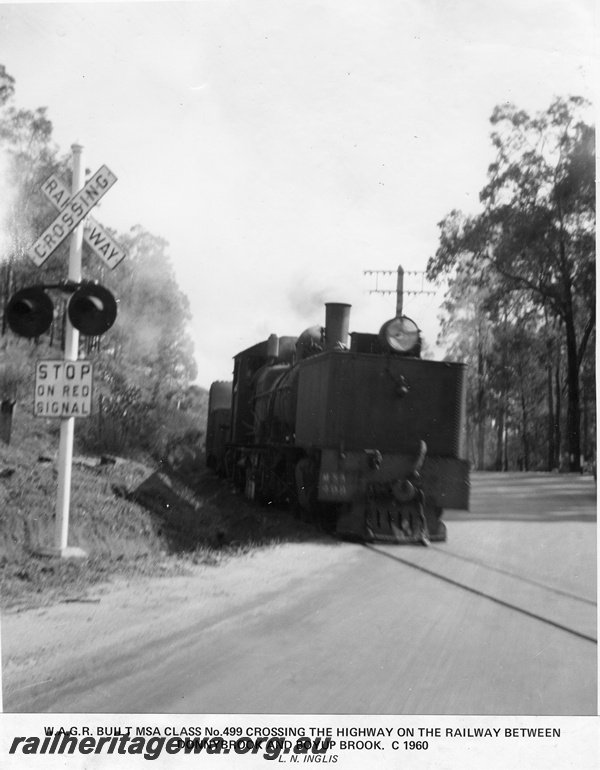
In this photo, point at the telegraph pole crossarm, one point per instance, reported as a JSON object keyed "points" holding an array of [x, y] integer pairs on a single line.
{"points": [[399, 291]]}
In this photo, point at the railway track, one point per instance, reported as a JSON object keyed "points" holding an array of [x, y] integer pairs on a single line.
{"points": [[500, 619], [570, 612]]}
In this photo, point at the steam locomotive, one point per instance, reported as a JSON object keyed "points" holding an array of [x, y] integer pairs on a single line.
{"points": [[365, 438]]}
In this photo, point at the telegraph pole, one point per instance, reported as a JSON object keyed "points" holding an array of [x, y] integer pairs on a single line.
{"points": [[399, 291]]}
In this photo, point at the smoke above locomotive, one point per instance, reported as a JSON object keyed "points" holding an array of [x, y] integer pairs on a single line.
{"points": [[354, 431]]}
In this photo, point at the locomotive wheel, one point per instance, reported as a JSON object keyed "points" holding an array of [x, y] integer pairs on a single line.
{"points": [[305, 501], [274, 481]]}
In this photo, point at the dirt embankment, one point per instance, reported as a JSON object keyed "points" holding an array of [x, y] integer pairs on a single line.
{"points": [[139, 523], [130, 517]]}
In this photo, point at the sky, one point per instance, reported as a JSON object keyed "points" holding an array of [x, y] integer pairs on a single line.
{"points": [[282, 147]]}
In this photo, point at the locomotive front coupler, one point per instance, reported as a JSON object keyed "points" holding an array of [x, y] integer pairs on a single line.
{"points": [[410, 487]]}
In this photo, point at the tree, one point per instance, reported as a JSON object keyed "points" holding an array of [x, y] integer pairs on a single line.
{"points": [[29, 157], [151, 332], [144, 365], [467, 329], [7, 85], [537, 228]]}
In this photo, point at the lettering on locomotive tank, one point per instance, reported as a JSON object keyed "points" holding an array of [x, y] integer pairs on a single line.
{"points": [[314, 422], [333, 485]]}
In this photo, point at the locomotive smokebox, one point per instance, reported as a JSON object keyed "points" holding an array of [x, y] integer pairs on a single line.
{"points": [[337, 320]]}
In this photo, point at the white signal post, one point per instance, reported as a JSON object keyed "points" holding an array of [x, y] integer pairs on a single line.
{"points": [[64, 388], [67, 424]]}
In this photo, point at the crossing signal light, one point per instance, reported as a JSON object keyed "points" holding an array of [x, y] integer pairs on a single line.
{"points": [[92, 309], [30, 312]]}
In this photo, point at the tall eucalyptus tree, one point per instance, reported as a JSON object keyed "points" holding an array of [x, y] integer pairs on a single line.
{"points": [[536, 231]]}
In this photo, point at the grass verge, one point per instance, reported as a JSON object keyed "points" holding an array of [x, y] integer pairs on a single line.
{"points": [[131, 518]]}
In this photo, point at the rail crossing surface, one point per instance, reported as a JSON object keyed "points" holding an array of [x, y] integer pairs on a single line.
{"points": [[501, 619]]}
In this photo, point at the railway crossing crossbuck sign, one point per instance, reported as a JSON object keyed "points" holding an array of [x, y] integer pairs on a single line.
{"points": [[71, 215], [96, 237]]}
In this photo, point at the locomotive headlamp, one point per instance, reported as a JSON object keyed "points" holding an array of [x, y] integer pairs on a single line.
{"points": [[401, 335]]}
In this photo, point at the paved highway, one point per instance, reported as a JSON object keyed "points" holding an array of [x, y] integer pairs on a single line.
{"points": [[501, 619]]}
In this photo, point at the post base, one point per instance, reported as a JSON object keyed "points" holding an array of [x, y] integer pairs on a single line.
{"points": [[69, 552]]}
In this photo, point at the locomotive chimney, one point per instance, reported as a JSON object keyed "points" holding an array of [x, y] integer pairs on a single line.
{"points": [[273, 346], [337, 320]]}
